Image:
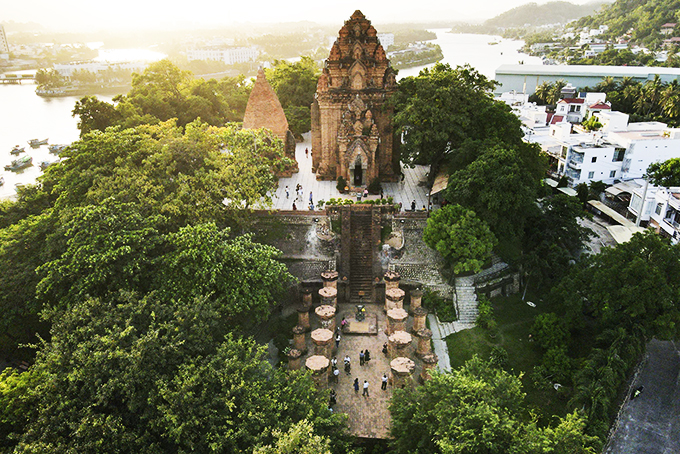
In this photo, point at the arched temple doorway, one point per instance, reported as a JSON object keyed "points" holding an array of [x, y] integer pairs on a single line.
{"points": [[357, 172]]}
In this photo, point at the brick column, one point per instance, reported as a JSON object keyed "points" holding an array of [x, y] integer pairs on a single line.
{"points": [[398, 343], [396, 321], [424, 345], [303, 317], [400, 372], [322, 339], [416, 300], [394, 298], [326, 315], [307, 297], [429, 362], [299, 342], [392, 279], [330, 279], [329, 296], [319, 367], [419, 316], [294, 357]]}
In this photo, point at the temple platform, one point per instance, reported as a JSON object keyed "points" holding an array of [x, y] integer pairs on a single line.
{"points": [[368, 326]]}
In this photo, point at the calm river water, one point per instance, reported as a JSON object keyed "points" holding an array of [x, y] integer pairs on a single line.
{"points": [[25, 116]]}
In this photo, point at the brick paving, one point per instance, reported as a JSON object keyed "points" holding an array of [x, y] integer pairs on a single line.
{"points": [[368, 417], [412, 188]]}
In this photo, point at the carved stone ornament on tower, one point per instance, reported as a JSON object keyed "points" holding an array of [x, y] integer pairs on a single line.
{"points": [[264, 111], [352, 132]]}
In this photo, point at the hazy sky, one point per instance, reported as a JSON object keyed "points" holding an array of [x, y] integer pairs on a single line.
{"points": [[93, 14]]}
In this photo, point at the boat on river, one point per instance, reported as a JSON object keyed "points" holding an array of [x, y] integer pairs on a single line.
{"points": [[35, 143], [17, 149], [56, 148], [45, 164], [20, 163]]}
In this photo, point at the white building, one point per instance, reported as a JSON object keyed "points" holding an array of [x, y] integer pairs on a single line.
{"points": [[386, 40], [228, 56], [661, 209], [67, 69], [4, 44]]}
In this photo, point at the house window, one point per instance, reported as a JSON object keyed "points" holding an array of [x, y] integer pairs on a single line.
{"points": [[612, 174], [618, 154], [594, 159], [591, 175], [658, 208]]}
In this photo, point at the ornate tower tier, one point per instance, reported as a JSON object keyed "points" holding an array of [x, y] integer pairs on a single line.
{"points": [[352, 132]]}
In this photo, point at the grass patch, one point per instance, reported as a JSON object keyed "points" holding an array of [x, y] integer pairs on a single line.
{"points": [[514, 319]]}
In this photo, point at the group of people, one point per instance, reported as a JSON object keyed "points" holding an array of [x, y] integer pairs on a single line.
{"points": [[299, 197]]}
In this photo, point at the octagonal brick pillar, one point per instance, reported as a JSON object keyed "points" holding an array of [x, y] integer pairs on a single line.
{"points": [[398, 344], [329, 296], [396, 321], [299, 342], [392, 279], [429, 362], [319, 366], [330, 279], [322, 339], [401, 369], [326, 316], [419, 317], [294, 359], [394, 298], [424, 347], [303, 317], [307, 297], [416, 300]]}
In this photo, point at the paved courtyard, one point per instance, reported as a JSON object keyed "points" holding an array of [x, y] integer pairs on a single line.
{"points": [[368, 417], [412, 188]]}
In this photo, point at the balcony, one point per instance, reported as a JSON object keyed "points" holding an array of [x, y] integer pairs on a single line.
{"points": [[575, 161]]}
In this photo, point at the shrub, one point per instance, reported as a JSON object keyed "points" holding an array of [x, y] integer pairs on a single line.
{"points": [[342, 184], [390, 200], [374, 187], [498, 357], [485, 316], [443, 307]]}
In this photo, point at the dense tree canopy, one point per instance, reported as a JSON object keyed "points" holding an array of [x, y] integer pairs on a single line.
{"points": [[154, 376], [460, 237], [440, 109], [295, 86], [666, 174], [163, 92], [476, 408]]}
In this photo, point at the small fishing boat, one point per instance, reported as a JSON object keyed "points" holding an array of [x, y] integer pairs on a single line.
{"points": [[35, 143], [17, 149], [45, 164], [20, 163], [56, 148]]}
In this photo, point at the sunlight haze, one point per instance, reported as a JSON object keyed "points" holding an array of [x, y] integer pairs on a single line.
{"points": [[77, 15]]}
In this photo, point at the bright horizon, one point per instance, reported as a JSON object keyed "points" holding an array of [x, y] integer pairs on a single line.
{"points": [[86, 15]]}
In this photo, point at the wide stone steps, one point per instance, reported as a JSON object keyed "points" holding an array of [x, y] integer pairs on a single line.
{"points": [[361, 257], [466, 300]]}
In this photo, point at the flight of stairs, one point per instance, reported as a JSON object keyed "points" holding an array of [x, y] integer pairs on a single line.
{"points": [[361, 257], [466, 300]]}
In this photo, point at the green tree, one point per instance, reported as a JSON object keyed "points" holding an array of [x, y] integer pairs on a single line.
{"points": [[500, 186], [460, 237], [666, 173], [442, 108], [295, 86], [94, 114], [151, 376], [300, 439], [49, 79]]}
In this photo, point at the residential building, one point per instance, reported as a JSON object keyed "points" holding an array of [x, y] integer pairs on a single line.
{"points": [[4, 44], [571, 109], [67, 69], [386, 40], [228, 56], [661, 210]]}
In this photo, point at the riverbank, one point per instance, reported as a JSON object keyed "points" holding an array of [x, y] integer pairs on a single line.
{"points": [[83, 90]]}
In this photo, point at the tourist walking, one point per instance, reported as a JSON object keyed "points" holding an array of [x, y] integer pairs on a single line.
{"points": [[337, 340], [384, 350], [334, 362], [306, 152], [383, 386], [413, 206], [294, 207], [287, 192], [365, 393], [367, 356], [365, 193], [356, 386], [362, 358], [348, 366], [333, 398], [336, 374], [311, 197]]}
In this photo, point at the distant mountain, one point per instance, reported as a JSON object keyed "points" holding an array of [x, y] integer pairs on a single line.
{"points": [[533, 14], [12, 26], [642, 18]]}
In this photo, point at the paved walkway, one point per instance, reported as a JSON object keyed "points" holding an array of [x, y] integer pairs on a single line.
{"points": [[412, 188]]}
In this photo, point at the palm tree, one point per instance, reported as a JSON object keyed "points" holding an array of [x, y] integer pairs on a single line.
{"points": [[671, 101]]}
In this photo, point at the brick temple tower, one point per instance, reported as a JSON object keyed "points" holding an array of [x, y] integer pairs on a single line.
{"points": [[352, 132], [264, 111]]}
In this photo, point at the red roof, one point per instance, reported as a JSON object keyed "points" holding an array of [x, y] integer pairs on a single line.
{"points": [[556, 119], [599, 105], [572, 100]]}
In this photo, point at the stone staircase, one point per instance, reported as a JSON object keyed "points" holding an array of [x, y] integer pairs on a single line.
{"points": [[361, 257], [466, 300]]}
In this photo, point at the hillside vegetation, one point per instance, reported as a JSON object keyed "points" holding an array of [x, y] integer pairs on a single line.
{"points": [[642, 18], [549, 13]]}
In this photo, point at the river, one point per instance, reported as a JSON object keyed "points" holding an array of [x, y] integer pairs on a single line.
{"points": [[25, 116]]}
